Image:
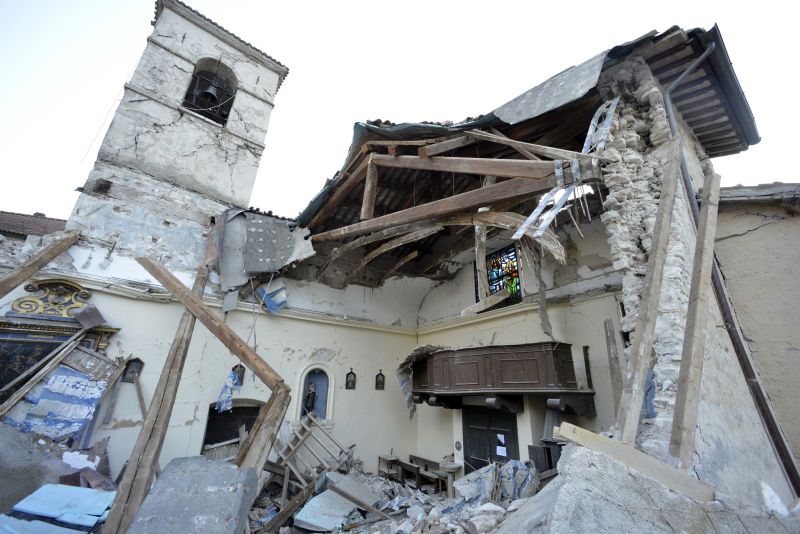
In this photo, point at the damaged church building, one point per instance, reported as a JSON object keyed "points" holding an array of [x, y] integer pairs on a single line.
{"points": [[558, 289]]}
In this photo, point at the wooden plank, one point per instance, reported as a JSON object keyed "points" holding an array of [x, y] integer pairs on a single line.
{"points": [[143, 410], [340, 193], [111, 391], [527, 153], [215, 325], [613, 363], [455, 249], [363, 241], [364, 505], [534, 259], [289, 509], [139, 472], [17, 276], [370, 191], [640, 357], [485, 196], [684, 419], [480, 248], [393, 244], [480, 261], [399, 263], [96, 368], [506, 220], [550, 152], [444, 146], [508, 168], [405, 142], [258, 453], [640, 462], [492, 300], [245, 445], [315, 421]]}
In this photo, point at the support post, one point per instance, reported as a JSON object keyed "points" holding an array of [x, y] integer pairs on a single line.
{"points": [[138, 476], [639, 366], [260, 442], [221, 331], [480, 249], [370, 191], [613, 363], [684, 418], [16, 276]]}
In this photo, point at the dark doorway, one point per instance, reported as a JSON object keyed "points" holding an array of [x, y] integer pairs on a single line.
{"points": [[489, 436], [225, 426]]}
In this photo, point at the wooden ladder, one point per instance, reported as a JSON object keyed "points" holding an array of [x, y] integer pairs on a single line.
{"points": [[328, 452]]}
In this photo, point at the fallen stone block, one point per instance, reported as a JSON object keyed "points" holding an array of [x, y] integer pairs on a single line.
{"points": [[595, 493], [197, 495]]}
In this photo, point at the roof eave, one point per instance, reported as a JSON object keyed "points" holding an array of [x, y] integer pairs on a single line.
{"points": [[229, 38]]}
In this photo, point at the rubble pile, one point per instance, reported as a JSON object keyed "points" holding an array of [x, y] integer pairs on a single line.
{"points": [[483, 499]]}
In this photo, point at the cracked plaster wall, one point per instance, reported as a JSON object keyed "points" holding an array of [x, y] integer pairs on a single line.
{"points": [[729, 427], [128, 213], [375, 420], [758, 247]]}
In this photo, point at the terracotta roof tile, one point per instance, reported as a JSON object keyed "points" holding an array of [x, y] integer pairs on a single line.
{"points": [[24, 224]]}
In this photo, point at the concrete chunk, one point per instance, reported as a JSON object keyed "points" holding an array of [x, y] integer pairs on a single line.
{"points": [[197, 495]]}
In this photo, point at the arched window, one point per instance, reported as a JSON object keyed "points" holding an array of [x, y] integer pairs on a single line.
{"points": [[315, 393], [211, 91]]}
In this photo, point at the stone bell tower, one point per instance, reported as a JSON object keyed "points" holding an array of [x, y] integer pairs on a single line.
{"points": [[185, 142]]}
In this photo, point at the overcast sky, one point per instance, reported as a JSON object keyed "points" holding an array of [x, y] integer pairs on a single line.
{"points": [[64, 64]]}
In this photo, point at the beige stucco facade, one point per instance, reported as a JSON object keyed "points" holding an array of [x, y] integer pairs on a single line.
{"points": [[758, 248]]}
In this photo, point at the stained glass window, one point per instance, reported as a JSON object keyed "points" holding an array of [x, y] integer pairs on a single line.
{"points": [[502, 269]]}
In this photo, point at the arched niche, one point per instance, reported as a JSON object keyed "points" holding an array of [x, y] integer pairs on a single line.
{"points": [[322, 379]]}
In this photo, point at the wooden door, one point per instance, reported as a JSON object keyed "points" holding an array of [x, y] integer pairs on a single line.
{"points": [[489, 436]]}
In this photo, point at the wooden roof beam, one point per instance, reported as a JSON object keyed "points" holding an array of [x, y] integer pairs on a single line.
{"points": [[370, 192], [393, 244], [549, 152], [508, 168], [340, 193], [399, 263], [445, 146], [527, 153], [485, 196]]}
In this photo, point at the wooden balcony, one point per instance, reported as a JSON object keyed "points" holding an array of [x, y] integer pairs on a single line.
{"points": [[498, 372]]}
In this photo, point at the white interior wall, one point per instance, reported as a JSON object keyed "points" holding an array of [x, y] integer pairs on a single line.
{"points": [[375, 420]]}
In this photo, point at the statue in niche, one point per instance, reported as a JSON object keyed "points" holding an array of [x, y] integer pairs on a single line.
{"points": [[310, 398]]}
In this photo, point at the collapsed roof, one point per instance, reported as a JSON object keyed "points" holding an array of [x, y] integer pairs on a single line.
{"points": [[555, 113]]}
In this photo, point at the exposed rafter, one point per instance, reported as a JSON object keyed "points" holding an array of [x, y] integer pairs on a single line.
{"points": [[486, 196], [507, 168], [399, 263], [393, 244]]}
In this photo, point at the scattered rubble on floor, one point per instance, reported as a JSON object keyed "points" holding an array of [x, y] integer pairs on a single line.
{"points": [[483, 499]]}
